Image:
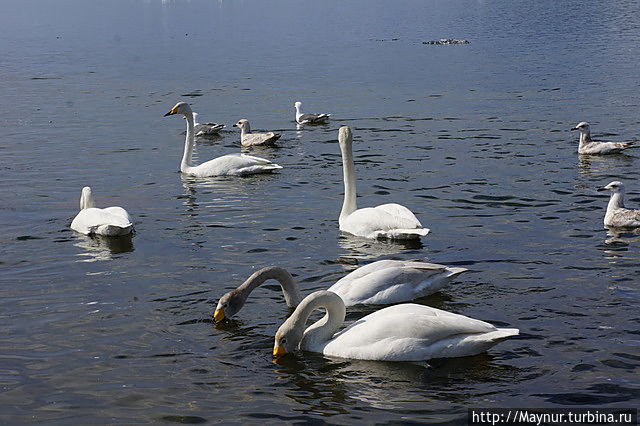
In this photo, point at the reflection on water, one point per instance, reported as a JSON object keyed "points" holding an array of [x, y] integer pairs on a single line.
{"points": [[364, 248], [99, 247], [603, 164], [621, 236]]}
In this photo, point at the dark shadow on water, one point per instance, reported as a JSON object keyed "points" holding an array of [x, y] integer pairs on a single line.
{"points": [[364, 248], [98, 247]]}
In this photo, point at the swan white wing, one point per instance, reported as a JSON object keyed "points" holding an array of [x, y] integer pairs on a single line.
{"points": [[233, 165], [100, 221], [411, 332], [392, 281], [386, 221], [118, 211]]}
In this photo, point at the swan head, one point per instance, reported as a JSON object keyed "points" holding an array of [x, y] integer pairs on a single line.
{"points": [[229, 305], [345, 136], [180, 108], [287, 339], [243, 125], [86, 198], [615, 187], [582, 126], [297, 105]]}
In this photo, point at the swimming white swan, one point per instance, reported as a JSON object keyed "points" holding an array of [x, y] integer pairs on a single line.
{"points": [[588, 146], [309, 118], [407, 332], [251, 139], [379, 283], [110, 221], [617, 215], [391, 221], [227, 165], [205, 129]]}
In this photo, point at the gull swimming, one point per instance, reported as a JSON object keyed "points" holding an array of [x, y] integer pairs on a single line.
{"points": [[205, 129], [110, 221], [392, 221], [379, 283], [309, 118], [590, 147], [227, 165], [407, 332], [618, 216], [255, 139]]}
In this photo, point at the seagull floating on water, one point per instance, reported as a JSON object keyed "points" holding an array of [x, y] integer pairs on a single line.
{"points": [[205, 129], [590, 147], [618, 216], [110, 221], [255, 139], [309, 118]]}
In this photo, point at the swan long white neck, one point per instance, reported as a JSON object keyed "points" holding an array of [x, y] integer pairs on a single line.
{"points": [[349, 204], [289, 287], [189, 141], [324, 329], [86, 199]]}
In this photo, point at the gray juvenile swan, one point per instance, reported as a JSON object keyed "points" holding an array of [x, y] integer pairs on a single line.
{"points": [[407, 332], [617, 215], [309, 118], [590, 147], [379, 283], [255, 139], [227, 165], [392, 221], [110, 221]]}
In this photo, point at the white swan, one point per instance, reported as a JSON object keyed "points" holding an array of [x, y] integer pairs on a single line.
{"points": [[205, 129], [110, 221], [227, 165], [588, 146], [406, 332], [252, 139], [379, 283], [391, 221], [618, 216], [309, 118]]}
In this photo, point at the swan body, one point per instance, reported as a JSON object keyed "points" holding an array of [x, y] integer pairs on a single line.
{"points": [[227, 165], [309, 118], [205, 129], [618, 216], [392, 221], [589, 147], [379, 283], [110, 221], [255, 139], [407, 332]]}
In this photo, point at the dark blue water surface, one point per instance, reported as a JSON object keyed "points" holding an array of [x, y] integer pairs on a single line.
{"points": [[473, 138]]}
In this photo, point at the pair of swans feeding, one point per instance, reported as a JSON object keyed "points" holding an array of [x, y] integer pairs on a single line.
{"points": [[405, 332]]}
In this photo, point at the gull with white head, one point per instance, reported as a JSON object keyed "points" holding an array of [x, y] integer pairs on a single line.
{"points": [[588, 146], [205, 129], [309, 118], [618, 216], [227, 165]]}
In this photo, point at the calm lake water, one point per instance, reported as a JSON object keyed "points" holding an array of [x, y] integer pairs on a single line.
{"points": [[473, 138]]}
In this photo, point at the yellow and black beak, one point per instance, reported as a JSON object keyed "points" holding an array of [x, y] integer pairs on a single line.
{"points": [[279, 352], [173, 111], [218, 315]]}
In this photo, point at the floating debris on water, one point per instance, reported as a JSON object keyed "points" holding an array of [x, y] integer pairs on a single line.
{"points": [[443, 41]]}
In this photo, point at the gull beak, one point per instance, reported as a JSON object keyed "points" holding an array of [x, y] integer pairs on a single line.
{"points": [[574, 128], [602, 188], [279, 352], [218, 315], [235, 125], [173, 111]]}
